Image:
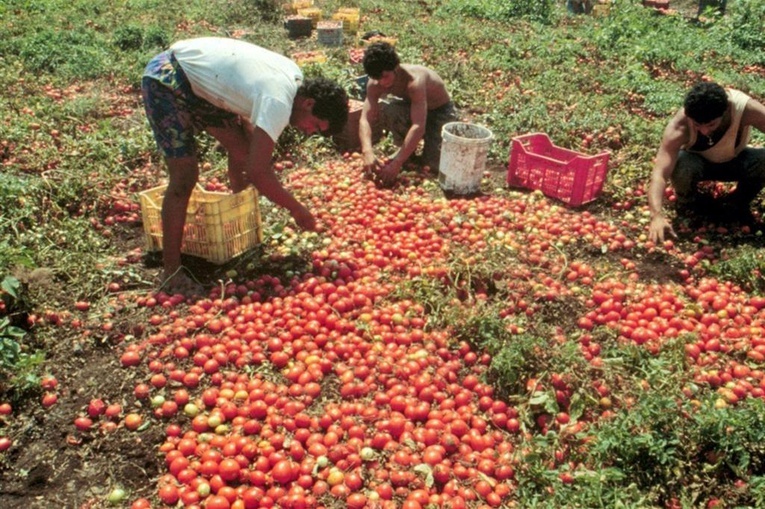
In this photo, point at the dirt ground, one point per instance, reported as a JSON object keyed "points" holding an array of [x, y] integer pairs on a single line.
{"points": [[51, 464]]}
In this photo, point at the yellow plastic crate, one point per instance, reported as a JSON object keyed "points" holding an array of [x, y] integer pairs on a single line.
{"points": [[311, 12], [390, 40], [350, 18], [302, 58], [219, 226]]}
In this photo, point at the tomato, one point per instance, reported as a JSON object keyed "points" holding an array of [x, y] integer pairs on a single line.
{"points": [[49, 399], [83, 423], [229, 469], [133, 421], [168, 494], [356, 501], [217, 502], [284, 472], [130, 358], [141, 503]]}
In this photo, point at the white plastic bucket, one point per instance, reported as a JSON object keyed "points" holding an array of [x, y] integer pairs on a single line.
{"points": [[463, 156]]}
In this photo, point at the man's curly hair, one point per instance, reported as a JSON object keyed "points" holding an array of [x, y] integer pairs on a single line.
{"points": [[331, 102], [378, 58], [705, 102]]}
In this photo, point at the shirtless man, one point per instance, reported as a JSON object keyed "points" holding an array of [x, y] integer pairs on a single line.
{"points": [[708, 139], [411, 102]]}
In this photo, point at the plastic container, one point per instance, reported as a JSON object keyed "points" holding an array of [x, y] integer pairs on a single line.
{"points": [[390, 40], [350, 17], [311, 12], [330, 33], [567, 175], [298, 26], [219, 226], [601, 9], [301, 4], [302, 58], [464, 148]]}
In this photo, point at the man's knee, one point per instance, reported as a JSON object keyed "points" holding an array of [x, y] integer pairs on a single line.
{"points": [[688, 172]]}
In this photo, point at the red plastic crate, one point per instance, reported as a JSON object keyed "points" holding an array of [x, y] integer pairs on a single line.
{"points": [[569, 176]]}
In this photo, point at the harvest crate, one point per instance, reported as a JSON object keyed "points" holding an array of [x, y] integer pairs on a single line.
{"points": [[298, 26], [350, 18], [219, 226], [572, 177], [292, 7], [302, 58], [379, 38], [330, 33], [311, 12]]}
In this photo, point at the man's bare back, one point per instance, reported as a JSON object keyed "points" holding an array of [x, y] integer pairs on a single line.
{"points": [[410, 77]]}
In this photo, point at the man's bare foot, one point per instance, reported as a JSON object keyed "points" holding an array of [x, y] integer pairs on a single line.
{"points": [[181, 283]]}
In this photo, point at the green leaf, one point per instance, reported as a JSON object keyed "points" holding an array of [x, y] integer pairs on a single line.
{"points": [[11, 285]]}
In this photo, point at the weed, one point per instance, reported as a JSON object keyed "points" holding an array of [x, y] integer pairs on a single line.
{"points": [[745, 265], [541, 10], [17, 364]]}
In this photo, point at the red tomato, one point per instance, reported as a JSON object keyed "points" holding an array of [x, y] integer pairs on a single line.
{"points": [[217, 502], [229, 469], [83, 423], [168, 494], [285, 471]]}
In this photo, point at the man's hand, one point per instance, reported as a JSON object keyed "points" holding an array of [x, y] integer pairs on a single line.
{"points": [[659, 228], [304, 219], [388, 173], [371, 163]]}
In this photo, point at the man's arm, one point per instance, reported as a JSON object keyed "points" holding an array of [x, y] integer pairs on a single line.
{"points": [[675, 135], [261, 175], [418, 115], [754, 115], [370, 111]]}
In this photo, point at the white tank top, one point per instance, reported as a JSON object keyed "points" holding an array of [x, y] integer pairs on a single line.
{"points": [[735, 138]]}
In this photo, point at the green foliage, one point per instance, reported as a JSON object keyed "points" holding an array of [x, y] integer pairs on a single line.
{"points": [[745, 265], [647, 443], [661, 442], [499, 10], [17, 364], [68, 53], [747, 26], [10, 344], [266, 10], [136, 37]]}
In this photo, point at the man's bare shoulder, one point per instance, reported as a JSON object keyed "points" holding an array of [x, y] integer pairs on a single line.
{"points": [[419, 73], [677, 128], [754, 114], [374, 91]]}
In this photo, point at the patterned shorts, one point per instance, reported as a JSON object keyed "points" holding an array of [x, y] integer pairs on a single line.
{"points": [[175, 113]]}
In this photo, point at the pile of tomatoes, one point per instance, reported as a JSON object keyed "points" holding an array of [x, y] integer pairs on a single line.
{"points": [[325, 389]]}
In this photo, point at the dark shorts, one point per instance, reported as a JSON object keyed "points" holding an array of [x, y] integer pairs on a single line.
{"points": [[396, 119], [747, 168], [175, 113]]}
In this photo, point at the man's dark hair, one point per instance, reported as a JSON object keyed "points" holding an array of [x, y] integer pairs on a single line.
{"points": [[378, 58], [706, 102], [331, 102]]}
